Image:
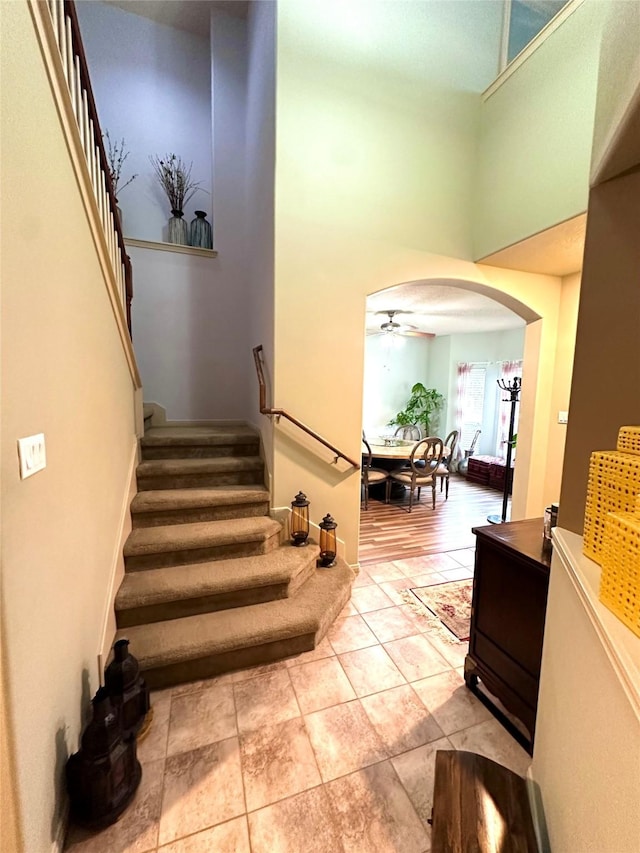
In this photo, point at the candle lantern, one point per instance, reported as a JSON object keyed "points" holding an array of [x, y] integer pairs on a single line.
{"points": [[299, 519], [103, 776], [128, 690], [328, 547]]}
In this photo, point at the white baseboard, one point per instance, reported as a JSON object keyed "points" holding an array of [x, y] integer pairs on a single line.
{"points": [[109, 627], [159, 419]]}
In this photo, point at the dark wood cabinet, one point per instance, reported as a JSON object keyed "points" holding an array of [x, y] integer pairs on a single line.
{"points": [[510, 585]]}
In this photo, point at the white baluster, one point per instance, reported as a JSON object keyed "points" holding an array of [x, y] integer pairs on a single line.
{"points": [[55, 14], [69, 55], [77, 104], [84, 127], [62, 40], [91, 155]]}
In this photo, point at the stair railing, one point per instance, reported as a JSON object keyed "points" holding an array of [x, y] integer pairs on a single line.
{"points": [[282, 413], [66, 29]]}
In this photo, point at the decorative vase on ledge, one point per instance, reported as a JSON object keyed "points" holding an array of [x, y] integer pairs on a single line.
{"points": [[178, 231], [200, 233]]}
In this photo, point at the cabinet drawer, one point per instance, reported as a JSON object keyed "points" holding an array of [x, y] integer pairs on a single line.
{"points": [[486, 653]]}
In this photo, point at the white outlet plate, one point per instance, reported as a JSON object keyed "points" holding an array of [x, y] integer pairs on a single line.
{"points": [[563, 417], [32, 455]]}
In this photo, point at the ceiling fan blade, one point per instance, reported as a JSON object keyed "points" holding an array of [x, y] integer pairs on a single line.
{"points": [[417, 334]]}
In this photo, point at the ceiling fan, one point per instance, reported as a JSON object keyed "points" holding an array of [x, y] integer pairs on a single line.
{"points": [[392, 327]]}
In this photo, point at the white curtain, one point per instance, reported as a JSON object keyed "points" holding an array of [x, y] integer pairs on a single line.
{"points": [[508, 371]]}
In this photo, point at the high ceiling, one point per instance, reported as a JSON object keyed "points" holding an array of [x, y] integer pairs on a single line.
{"points": [[190, 15]]}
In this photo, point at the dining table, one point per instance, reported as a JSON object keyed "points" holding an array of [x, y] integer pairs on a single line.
{"points": [[396, 448]]}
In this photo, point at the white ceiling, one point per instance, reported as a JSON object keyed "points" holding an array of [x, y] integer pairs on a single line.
{"points": [[440, 309], [190, 15]]}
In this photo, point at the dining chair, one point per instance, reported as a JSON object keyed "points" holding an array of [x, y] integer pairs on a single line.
{"points": [[371, 476], [444, 468], [429, 452]]}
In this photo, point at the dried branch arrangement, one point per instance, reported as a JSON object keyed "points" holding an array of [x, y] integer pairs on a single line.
{"points": [[116, 155], [174, 176]]}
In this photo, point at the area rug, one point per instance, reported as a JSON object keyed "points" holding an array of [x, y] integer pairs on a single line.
{"points": [[451, 603]]}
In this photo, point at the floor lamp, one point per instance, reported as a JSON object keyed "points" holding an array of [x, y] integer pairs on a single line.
{"points": [[513, 390]]}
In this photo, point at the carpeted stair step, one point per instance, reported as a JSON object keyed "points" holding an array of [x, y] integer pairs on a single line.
{"points": [[171, 442], [200, 473], [180, 506], [198, 647], [178, 544], [174, 592]]}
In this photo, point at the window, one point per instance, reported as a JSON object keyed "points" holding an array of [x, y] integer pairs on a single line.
{"points": [[524, 19], [470, 403]]}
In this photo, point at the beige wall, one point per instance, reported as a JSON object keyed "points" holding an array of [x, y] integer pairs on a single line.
{"points": [[587, 750], [561, 389], [606, 373], [64, 373], [10, 839], [618, 91], [535, 137]]}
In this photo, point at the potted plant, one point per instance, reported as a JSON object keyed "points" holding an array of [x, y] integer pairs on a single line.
{"points": [[420, 409], [174, 176]]}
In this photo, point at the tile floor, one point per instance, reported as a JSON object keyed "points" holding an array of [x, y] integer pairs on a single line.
{"points": [[326, 752]]}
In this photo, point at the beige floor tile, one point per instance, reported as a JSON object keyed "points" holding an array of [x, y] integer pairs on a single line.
{"points": [[416, 770], [394, 589], [137, 830], [154, 745], [390, 624], [201, 788], [322, 650], [369, 598], [427, 579], [401, 719], [229, 837], [201, 718], [381, 572], [460, 574], [363, 578], [343, 739], [374, 813], [255, 671], [204, 684], [265, 700], [425, 564], [320, 684], [370, 670], [465, 556], [277, 762], [452, 650], [416, 658], [493, 741], [452, 704], [351, 633], [301, 823], [348, 610]]}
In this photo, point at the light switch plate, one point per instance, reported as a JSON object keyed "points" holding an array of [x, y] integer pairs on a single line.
{"points": [[32, 455], [563, 417]]}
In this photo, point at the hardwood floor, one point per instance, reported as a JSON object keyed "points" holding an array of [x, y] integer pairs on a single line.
{"points": [[388, 532]]}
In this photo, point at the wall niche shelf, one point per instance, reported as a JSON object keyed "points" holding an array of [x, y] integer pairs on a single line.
{"points": [[170, 247]]}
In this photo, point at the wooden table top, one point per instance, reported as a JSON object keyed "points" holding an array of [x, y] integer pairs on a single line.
{"points": [[525, 537], [401, 450]]}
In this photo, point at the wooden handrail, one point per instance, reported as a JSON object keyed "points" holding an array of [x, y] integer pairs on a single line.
{"points": [[281, 413], [78, 50]]}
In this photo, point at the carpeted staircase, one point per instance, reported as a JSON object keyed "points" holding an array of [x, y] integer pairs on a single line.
{"points": [[211, 585]]}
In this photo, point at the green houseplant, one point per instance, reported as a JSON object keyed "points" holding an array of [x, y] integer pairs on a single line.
{"points": [[420, 409]]}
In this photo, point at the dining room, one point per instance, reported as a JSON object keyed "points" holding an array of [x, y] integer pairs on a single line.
{"points": [[453, 346]]}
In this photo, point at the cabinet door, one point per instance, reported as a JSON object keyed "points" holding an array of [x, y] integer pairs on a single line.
{"points": [[510, 597]]}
